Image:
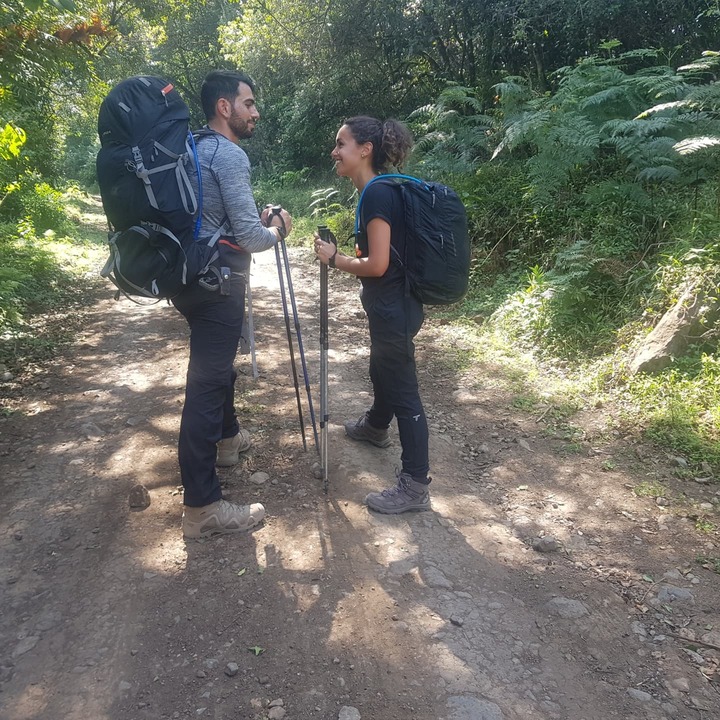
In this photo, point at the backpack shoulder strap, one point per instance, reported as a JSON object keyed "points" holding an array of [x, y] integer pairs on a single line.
{"points": [[194, 137], [388, 178]]}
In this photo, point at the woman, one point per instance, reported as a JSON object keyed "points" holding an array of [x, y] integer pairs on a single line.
{"points": [[365, 148]]}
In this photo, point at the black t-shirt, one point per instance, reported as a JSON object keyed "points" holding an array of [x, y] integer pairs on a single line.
{"points": [[383, 200]]}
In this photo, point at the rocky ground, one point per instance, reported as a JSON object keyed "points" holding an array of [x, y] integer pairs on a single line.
{"points": [[565, 572]]}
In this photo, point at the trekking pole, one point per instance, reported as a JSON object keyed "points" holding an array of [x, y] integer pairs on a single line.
{"points": [[251, 330], [291, 293], [290, 345], [325, 236], [276, 211]]}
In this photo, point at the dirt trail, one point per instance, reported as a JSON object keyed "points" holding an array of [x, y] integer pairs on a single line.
{"points": [[328, 611]]}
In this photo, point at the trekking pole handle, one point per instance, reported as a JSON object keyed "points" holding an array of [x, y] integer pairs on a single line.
{"points": [[327, 236], [276, 211]]}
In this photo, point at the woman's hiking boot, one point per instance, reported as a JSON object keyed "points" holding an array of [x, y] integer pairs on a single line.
{"points": [[407, 495], [363, 430], [229, 449], [219, 518]]}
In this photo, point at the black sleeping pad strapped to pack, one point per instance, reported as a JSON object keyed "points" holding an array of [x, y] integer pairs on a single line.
{"points": [[142, 169], [437, 245]]}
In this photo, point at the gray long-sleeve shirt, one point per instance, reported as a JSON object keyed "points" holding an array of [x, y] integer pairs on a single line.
{"points": [[227, 195]]}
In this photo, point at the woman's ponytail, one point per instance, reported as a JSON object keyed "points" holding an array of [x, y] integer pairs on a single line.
{"points": [[397, 143]]}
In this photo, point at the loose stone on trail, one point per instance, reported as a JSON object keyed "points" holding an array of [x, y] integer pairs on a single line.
{"points": [[92, 431], [25, 645], [468, 707], [276, 713], [670, 593], [347, 712], [435, 579], [545, 544], [139, 497], [566, 608], [639, 695]]}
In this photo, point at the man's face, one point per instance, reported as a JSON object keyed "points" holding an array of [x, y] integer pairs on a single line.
{"points": [[243, 113]]}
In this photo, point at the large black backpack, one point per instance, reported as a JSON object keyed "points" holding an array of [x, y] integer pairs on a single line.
{"points": [[142, 170], [437, 246]]}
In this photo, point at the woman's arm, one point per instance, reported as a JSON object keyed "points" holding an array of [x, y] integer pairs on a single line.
{"points": [[378, 259]]}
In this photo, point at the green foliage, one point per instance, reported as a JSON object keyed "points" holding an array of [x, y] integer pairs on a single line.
{"points": [[649, 489], [454, 134], [709, 563], [37, 204], [599, 109], [583, 184], [325, 201], [328, 209], [27, 267], [12, 139], [41, 275], [63, 5], [682, 407], [290, 189]]}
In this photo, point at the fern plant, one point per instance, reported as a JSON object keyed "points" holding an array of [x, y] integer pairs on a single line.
{"points": [[453, 133], [600, 107]]}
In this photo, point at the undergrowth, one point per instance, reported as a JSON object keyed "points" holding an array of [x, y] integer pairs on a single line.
{"points": [[45, 276]]}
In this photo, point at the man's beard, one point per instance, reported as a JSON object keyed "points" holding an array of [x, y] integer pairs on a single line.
{"points": [[239, 126]]}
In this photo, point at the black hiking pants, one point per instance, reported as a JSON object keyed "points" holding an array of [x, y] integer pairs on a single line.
{"points": [[209, 412], [394, 321]]}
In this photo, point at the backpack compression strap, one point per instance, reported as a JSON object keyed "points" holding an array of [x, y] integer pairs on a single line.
{"points": [[181, 176]]}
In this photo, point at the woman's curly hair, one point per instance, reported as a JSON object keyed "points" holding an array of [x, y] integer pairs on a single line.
{"points": [[391, 140]]}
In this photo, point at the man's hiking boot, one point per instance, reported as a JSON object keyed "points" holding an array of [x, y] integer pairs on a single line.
{"points": [[363, 430], [229, 449], [220, 517], [407, 496]]}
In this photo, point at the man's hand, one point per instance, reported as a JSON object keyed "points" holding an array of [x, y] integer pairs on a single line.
{"points": [[275, 216]]}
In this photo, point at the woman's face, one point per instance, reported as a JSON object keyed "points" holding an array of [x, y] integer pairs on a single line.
{"points": [[348, 154]]}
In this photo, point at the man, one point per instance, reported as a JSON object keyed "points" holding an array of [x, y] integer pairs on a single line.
{"points": [[209, 430]]}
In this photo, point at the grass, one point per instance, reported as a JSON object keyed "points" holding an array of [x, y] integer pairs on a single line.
{"points": [[649, 489], [45, 278], [705, 526], [525, 403], [709, 563], [678, 409]]}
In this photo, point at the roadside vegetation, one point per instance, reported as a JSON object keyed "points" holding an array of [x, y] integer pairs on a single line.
{"points": [[588, 167]]}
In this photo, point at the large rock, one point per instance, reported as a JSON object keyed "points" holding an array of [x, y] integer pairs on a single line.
{"points": [[686, 321]]}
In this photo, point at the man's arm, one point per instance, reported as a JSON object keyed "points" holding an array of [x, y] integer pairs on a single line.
{"points": [[231, 168]]}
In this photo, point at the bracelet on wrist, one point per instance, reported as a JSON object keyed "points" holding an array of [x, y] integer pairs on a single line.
{"points": [[331, 261]]}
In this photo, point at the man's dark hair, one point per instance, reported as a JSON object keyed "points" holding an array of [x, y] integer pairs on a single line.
{"points": [[221, 84]]}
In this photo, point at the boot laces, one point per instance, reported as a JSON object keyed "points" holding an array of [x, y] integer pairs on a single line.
{"points": [[400, 487]]}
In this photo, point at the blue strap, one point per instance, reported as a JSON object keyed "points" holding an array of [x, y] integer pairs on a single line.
{"points": [[198, 222], [396, 176]]}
